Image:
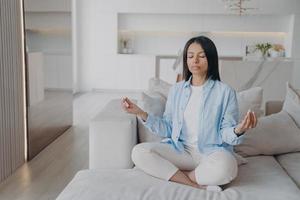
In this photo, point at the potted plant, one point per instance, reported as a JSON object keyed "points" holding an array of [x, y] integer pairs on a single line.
{"points": [[277, 50], [263, 48], [126, 45]]}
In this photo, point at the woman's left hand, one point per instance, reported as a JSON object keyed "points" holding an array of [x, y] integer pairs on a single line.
{"points": [[248, 122]]}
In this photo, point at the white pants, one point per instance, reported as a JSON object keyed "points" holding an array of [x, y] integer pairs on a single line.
{"points": [[162, 161]]}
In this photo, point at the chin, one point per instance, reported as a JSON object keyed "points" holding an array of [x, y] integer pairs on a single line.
{"points": [[198, 73]]}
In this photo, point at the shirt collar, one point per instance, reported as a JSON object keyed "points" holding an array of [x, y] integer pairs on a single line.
{"points": [[207, 85]]}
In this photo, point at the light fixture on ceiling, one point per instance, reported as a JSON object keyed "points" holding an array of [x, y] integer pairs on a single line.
{"points": [[239, 6]]}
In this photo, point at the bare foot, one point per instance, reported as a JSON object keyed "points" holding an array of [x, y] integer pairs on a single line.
{"points": [[202, 187]]}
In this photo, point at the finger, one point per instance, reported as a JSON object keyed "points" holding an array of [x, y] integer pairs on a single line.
{"points": [[123, 100], [255, 119], [245, 118], [128, 101], [124, 106], [243, 123], [248, 121], [251, 120], [124, 103]]}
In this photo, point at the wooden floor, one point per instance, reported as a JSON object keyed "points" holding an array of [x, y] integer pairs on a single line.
{"points": [[45, 176]]}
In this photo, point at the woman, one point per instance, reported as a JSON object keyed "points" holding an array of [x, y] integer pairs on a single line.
{"points": [[200, 124]]}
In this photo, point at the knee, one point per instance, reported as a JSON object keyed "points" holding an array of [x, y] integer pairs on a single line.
{"points": [[225, 174], [139, 152], [226, 170], [221, 169]]}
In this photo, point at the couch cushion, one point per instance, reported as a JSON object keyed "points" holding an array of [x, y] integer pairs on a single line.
{"points": [[292, 103], [274, 134], [262, 178], [291, 164]]}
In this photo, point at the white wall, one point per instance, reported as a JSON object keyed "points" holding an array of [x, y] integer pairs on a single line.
{"points": [[296, 50], [47, 5], [100, 67]]}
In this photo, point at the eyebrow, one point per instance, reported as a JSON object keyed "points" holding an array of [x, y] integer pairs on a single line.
{"points": [[193, 52]]}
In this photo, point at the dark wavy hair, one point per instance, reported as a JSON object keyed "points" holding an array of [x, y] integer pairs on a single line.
{"points": [[211, 53]]}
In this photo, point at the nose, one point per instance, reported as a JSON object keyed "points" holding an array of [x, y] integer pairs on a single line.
{"points": [[196, 59]]}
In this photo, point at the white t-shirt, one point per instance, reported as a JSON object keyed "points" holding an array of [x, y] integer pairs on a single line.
{"points": [[191, 117]]}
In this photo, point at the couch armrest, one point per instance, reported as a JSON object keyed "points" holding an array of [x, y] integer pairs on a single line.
{"points": [[112, 135]]}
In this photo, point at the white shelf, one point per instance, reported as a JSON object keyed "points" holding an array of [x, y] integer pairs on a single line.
{"points": [[167, 33]]}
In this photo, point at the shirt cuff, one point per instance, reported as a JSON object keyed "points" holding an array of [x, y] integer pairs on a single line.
{"points": [[235, 139], [149, 121], [240, 134]]}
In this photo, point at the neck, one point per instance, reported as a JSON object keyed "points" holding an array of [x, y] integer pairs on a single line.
{"points": [[198, 80]]}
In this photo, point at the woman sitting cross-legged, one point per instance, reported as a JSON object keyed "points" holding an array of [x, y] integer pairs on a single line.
{"points": [[200, 124]]}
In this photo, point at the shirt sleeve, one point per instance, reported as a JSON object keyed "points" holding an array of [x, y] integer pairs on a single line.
{"points": [[162, 125], [230, 120]]}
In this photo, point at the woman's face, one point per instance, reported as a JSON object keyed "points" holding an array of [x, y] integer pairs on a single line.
{"points": [[196, 60]]}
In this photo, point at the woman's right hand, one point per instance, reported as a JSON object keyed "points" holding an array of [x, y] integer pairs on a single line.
{"points": [[132, 108]]}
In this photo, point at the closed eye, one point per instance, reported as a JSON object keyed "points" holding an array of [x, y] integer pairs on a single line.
{"points": [[201, 56]]}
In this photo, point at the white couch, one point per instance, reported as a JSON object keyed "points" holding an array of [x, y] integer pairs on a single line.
{"points": [[113, 134]]}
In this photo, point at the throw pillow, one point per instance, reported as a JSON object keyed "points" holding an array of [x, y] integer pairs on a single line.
{"points": [[153, 103], [274, 134], [160, 86], [292, 103], [250, 99]]}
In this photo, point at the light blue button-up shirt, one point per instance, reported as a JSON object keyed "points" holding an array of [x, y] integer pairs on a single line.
{"points": [[218, 117]]}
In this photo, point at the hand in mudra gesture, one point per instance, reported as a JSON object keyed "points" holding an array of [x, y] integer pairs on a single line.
{"points": [[132, 108], [249, 121]]}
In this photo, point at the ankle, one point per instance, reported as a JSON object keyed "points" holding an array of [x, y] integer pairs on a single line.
{"points": [[214, 188]]}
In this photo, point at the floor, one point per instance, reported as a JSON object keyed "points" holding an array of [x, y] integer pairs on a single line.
{"points": [[45, 176]]}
